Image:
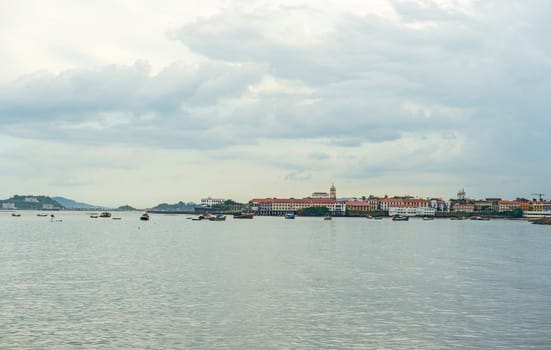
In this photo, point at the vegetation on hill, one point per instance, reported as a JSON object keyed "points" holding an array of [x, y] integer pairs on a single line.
{"points": [[30, 203], [180, 206], [126, 208]]}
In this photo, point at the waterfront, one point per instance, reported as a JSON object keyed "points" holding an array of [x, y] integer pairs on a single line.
{"points": [[270, 283]]}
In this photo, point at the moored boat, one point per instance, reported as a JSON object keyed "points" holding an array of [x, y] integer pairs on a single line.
{"points": [[400, 218], [327, 217], [105, 214], [290, 216], [243, 216], [144, 217], [218, 217], [427, 218]]}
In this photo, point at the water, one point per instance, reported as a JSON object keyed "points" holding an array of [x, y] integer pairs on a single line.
{"points": [[270, 283]]}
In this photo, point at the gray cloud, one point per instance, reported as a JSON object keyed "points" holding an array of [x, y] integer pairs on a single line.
{"points": [[479, 73]]}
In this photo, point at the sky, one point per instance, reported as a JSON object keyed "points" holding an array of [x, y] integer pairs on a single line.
{"points": [[144, 102]]}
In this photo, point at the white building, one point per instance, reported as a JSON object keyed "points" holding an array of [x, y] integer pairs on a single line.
{"points": [[8, 205], [411, 211], [211, 202], [537, 214]]}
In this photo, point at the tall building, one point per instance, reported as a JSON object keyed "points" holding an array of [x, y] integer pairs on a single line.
{"points": [[333, 192]]}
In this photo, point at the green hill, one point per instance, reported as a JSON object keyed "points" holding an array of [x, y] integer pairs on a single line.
{"points": [[30, 202]]}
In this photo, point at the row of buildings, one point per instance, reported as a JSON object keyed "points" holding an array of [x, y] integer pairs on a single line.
{"points": [[407, 205]]}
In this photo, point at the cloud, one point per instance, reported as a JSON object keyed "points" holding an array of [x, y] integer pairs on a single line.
{"points": [[417, 87]]}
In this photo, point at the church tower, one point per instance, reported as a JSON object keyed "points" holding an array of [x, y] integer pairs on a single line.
{"points": [[333, 192]]}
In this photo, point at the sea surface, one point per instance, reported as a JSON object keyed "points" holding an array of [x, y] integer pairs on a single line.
{"points": [[271, 283]]}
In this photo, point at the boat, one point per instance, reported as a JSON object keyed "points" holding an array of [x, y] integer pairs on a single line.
{"points": [[144, 217], [378, 218], [243, 216], [41, 214], [117, 218], [400, 218], [456, 218], [427, 218], [15, 214], [105, 214], [327, 218], [218, 217], [369, 217], [93, 216], [479, 218], [290, 216]]}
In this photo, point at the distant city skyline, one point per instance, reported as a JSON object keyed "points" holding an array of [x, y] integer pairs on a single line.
{"points": [[117, 102]]}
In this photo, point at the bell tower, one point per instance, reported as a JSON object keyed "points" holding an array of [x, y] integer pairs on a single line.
{"points": [[333, 192]]}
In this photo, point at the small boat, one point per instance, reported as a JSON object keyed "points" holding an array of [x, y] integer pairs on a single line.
{"points": [[15, 214], [243, 216], [117, 218], [218, 217], [105, 214], [93, 216], [41, 214], [144, 217], [400, 218], [378, 218], [290, 216], [456, 218], [480, 218], [369, 217], [327, 217], [427, 218]]}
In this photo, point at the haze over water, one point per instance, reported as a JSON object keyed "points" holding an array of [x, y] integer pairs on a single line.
{"points": [[270, 283]]}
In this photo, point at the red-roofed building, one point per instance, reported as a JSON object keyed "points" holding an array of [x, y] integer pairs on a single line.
{"points": [[361, 207], [463, 207], [504, 205], [281, 206]]}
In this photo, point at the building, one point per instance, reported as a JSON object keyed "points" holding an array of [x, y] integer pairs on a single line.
{"points": [[211, 202], [406, 210], [8, 205], [439, 204], [333, 192], [504, 205], [361, 207], [320, 195], [463, 208], [281, 206], [386, 203]]}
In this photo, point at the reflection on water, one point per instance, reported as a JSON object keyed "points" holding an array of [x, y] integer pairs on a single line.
{"points": [[272, 283]]}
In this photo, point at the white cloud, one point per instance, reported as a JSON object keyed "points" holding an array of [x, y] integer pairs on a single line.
{"points": [[345, 90]]}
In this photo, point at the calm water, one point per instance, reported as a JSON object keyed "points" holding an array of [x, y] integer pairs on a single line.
{"points": [[270, 283]]}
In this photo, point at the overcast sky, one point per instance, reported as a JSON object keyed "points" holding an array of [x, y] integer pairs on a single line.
{"points": [[139, 102]]}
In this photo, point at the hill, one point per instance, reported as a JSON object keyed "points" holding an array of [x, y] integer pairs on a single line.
{"points": [[180, 206], [30, 202], [71, 204]]}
